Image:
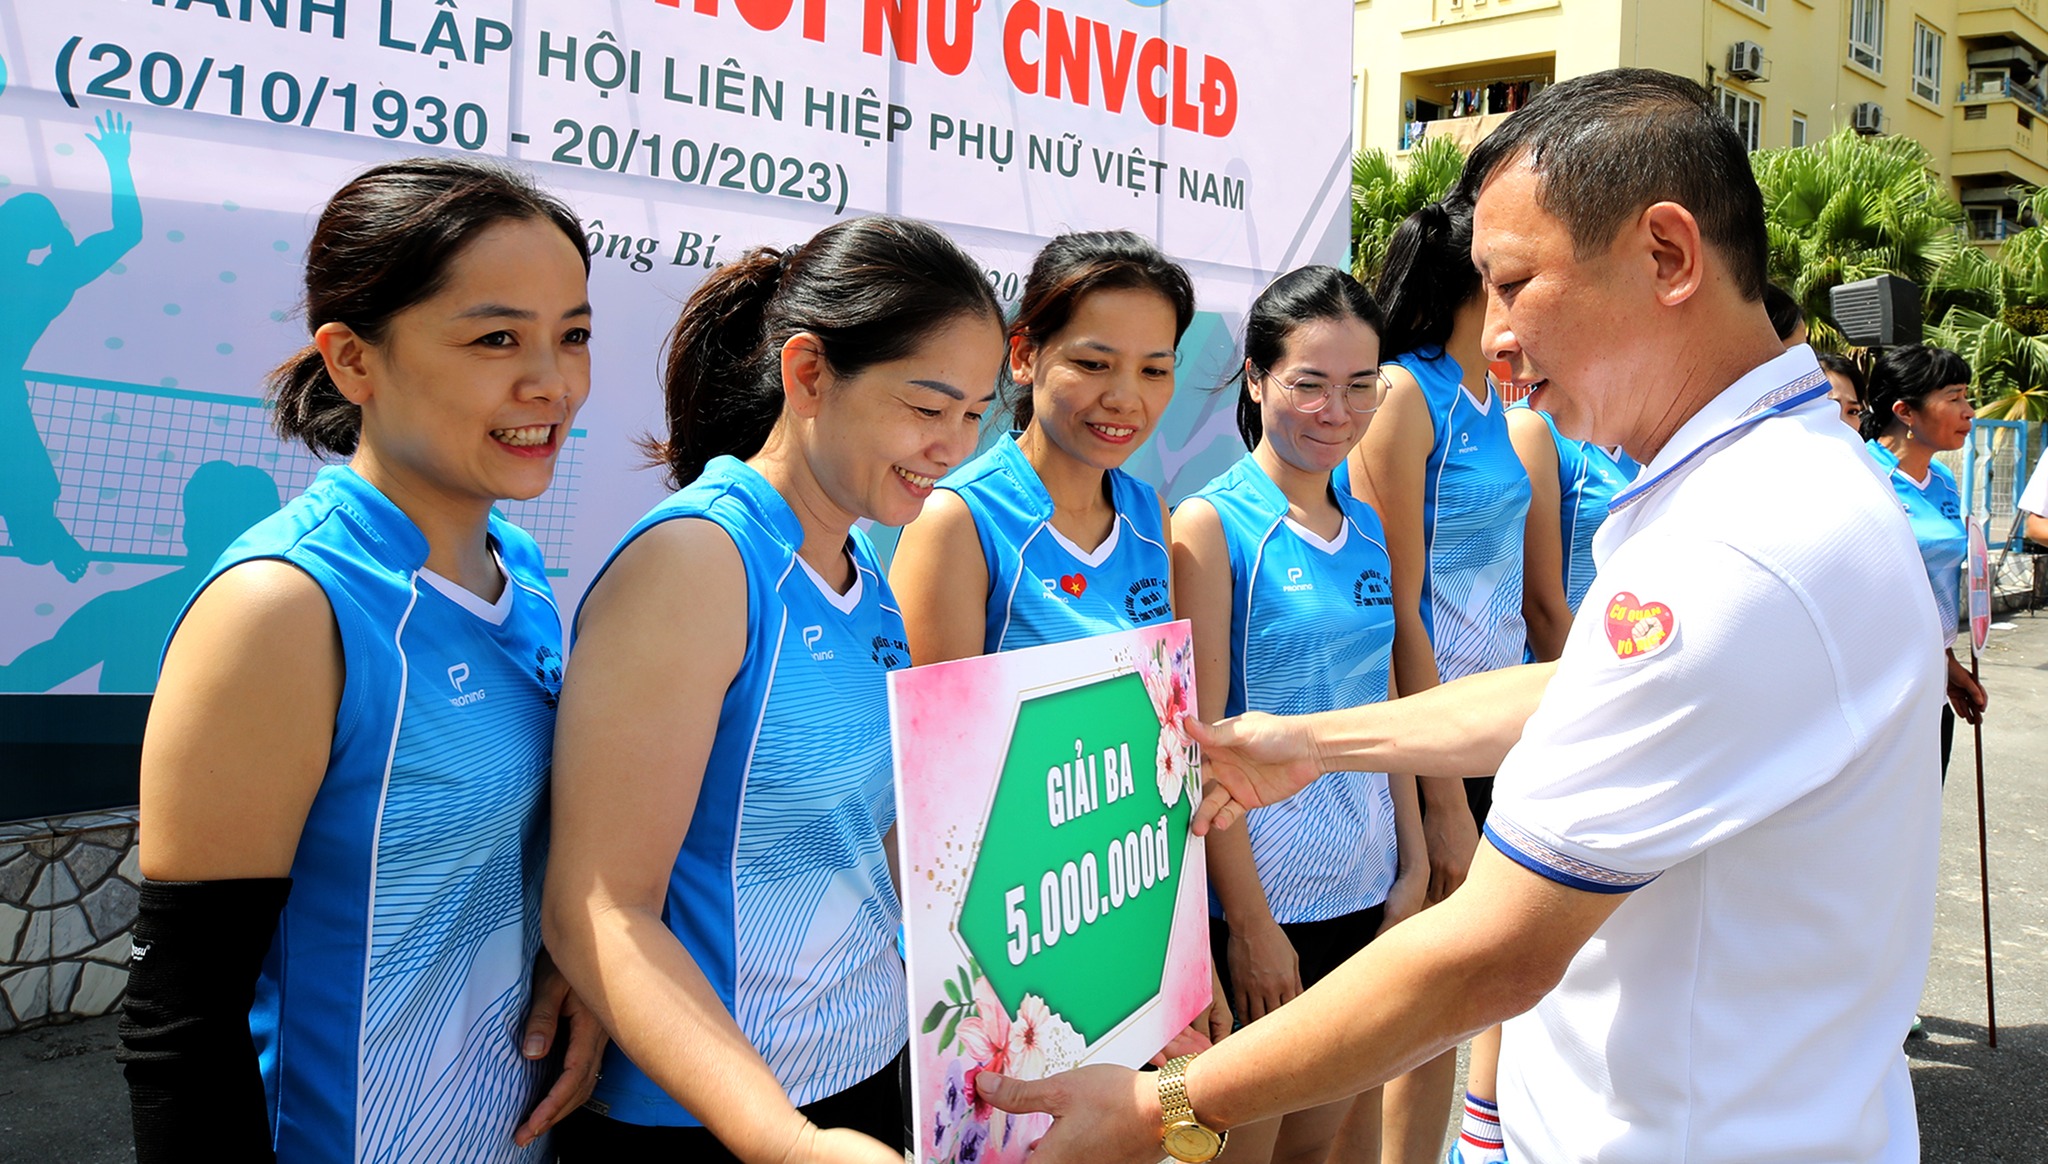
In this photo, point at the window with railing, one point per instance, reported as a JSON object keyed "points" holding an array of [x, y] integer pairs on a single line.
{"points": [[1866, 34], [1926, 63], [1745, 111]]}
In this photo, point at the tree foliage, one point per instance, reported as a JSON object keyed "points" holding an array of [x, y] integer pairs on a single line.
{"points": [[1383, 196], [1846, 208]]}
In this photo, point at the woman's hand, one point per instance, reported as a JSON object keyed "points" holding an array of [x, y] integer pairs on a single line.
{"points": [[553, 1004], [1965, 694], [1410, 893], [1264, 969]]}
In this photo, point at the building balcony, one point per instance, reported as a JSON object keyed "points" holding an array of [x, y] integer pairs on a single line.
{"points": [[1999, 136], [2021, 20], [1466, 131]]}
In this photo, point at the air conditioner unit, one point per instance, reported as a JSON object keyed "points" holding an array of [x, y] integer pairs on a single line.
{"points": [[1746, 60], [1867, 118]]}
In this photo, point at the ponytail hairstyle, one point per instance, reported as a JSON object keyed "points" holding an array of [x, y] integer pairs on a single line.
{"points": [[1428, 276], [1907, 374], [1071, 267], [384, 243], [871, 289], [1299, 297]]}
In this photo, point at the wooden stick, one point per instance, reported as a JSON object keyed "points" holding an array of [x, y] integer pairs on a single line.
{"points": [[1984, 872]]}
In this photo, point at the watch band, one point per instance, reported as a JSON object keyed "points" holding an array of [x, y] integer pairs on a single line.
{"points": [[1173, 1090]]}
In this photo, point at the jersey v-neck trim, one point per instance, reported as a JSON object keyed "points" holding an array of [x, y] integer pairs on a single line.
{"points": [[494, 613], [1101, 552], [1326, 545], [843, 603]]}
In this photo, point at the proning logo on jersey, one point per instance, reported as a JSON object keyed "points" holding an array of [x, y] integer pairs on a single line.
{"points": [[1147, 600], [1294, 582], [1465, 444], [1372, 589], [811, 636], [457, 676], [889, 653]]}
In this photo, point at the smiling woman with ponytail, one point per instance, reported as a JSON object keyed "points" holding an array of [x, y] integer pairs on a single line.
{"points": [[719, 878], [337, 955]]}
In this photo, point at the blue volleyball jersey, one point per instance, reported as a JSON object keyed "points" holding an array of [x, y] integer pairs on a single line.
{"points": [[1043, 588], [1311, 629], [1934, 508], [389, 1011], [1475, 503], [1588, 477], [781, 892]]}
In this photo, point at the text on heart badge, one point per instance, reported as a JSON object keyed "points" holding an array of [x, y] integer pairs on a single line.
{"points": [[1637, 629]]}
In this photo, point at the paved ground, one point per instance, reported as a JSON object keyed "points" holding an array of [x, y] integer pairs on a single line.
{"points": [[61, 1096]]}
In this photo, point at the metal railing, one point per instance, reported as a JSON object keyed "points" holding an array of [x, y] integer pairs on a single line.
{"points": [[1968, 93]]}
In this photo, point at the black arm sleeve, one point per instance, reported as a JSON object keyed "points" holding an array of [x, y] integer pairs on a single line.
{"points": [[185, 1044]]}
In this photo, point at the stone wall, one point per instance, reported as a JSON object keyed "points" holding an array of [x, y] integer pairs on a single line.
{"points": [[67, 902]]}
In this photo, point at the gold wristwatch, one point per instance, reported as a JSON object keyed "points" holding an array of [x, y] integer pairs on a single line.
{"points": [[1184, 1137]]}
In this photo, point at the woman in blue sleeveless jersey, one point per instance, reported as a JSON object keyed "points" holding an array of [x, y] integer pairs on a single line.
{"points": [[1918, 405], [1438, 467], [720, 883], [344, 779], [1571, 483], [1289, 587], [1044, 537]]}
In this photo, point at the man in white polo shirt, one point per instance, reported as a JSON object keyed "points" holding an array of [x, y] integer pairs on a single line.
{"points": [[2034, 504], [1710, 866]]}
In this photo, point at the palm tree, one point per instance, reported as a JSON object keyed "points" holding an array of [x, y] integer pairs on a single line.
{"points": [[1382, 196], [1995, 315], [1850, 207]]}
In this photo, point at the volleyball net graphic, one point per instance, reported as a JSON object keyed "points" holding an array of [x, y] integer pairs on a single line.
{"points": [[123, 453]]}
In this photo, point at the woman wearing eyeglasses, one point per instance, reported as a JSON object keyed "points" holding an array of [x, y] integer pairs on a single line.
{"points": [[1287, 582], [1439, 469]]}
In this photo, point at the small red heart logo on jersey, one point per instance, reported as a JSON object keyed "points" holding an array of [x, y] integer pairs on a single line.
{"points": [[1636, 628], [1074, 584]]}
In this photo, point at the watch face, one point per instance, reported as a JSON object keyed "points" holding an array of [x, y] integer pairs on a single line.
{"points": [[1191, 1142]]}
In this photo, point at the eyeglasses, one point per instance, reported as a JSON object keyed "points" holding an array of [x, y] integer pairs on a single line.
{"points": [[1312, 396]]}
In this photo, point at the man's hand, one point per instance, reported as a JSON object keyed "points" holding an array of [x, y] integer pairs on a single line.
{"points": [[1250, 761], [553, 1004], [1101, 1115], [1452, 837]]}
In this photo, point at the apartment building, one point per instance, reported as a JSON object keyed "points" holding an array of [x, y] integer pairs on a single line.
{"points": [[1963, 77]]}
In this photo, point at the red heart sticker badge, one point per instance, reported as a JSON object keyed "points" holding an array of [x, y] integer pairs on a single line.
{"points": [[1074, 584], [1638, 629]]}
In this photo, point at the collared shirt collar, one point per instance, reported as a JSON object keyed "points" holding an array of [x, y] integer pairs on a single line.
{"points": [[1777, 386]]}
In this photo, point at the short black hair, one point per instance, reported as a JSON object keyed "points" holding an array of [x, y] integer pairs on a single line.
{"points": [[1608, 144], [1785, 312], [1909, 373]]}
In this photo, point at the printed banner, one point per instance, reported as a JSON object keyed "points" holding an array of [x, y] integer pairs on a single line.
{"points": [[163, 162], [1978, 585], [1055, 902]]}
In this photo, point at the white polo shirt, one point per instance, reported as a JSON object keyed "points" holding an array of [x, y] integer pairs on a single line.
{"points": [[1739, 732], [2034, 498]]}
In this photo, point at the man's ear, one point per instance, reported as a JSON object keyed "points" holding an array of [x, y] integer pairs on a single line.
{"points": [[1676, 248]]}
